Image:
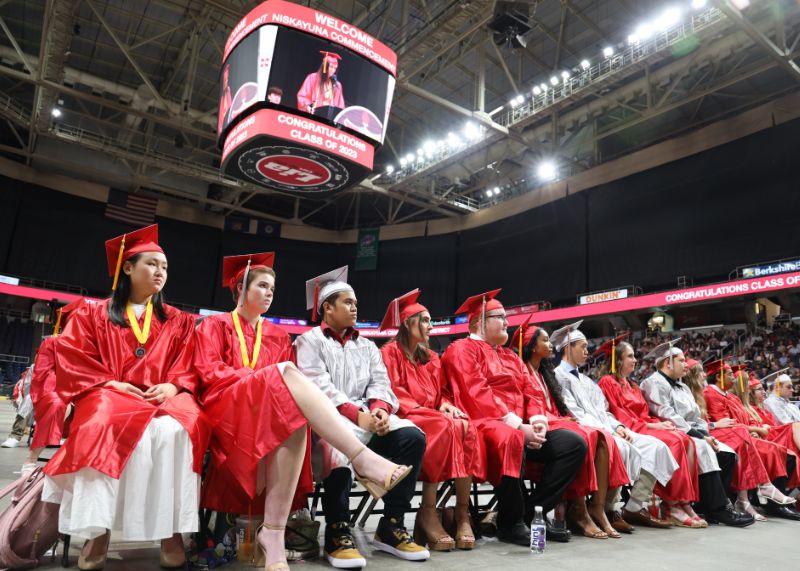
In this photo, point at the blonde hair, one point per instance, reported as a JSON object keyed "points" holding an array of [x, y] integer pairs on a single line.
{"points": [[695, 384], [742, 390], [619, 352]]}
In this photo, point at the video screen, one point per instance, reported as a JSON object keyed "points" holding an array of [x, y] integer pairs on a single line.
{"points": [[326, 80]]}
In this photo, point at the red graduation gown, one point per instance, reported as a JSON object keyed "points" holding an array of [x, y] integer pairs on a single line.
{"points": [[486, 385], [781, 434], [311, 93], [421, 390], [107, 424], [585, 482], [627, 404], [251, 410], [760, 461], [48, 408]]}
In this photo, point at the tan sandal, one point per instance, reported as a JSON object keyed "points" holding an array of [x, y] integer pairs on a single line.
{"points": [[428, 530], [259, 558], [378, 490], [465, 536], [91, 562], [172, 559]]}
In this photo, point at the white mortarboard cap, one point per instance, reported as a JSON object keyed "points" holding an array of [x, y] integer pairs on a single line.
{"points": [[664, 351], [320, 288], [566, 335]]}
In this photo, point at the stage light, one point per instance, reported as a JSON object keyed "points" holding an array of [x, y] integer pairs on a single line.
{"points": [[537, 90], [608, 51], [513, 102], [699, 4], [453, 140], [403, 162], [389, 169], [554, 80], [520, 99], [585, 64], [496, 190], [543, 86], [471, 131], [429, 146], [633, 39], [488, 193], [644, 31], [740, 4], [410, 158], [565, 75], [547, 171], [668, 18], [56, 112]]}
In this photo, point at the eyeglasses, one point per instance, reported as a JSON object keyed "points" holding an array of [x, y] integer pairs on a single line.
{"points": [[502, 318]]}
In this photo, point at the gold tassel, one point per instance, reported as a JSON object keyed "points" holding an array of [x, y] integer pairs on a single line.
{"points": [[119, 263], [521, 333], [58, 323], [613, 356]]}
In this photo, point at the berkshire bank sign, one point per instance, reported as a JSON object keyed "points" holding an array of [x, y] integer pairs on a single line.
{"points": [[771, 269]]}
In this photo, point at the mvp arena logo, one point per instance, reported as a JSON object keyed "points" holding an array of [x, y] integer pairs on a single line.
{"points": [[293, 169]]}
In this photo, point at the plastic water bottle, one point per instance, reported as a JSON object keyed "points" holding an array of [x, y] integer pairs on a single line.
{"points": [[538, 531]]}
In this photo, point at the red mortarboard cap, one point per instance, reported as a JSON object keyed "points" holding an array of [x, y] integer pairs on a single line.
{"points": [[714, 367], [474, 305], [401, 308], [691, 363], [605, 348], [63, 311], [233, 267], [332, 55], [121, 248], [527, 330], [755, 382]]}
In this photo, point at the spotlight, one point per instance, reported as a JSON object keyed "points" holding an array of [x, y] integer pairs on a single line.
{"points": [[520, 99], [389, 169], [608, 51], [633, 39], [513, 102], [565, 75], [420, 152], [554, 80], [537, 90], [471, 131], [429, 146], [410, 158], [585, 64], [547, 171], [56, 112], [403, 162], [488, 193], [668, 18], [453, 140], [699, 4], [644, 31], [741, 4], [543, 86], [496, 190]]}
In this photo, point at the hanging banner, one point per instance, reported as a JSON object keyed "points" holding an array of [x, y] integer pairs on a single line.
{"points": [[367, 249]]}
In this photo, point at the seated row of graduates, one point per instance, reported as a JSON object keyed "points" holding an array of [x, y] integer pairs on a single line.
{"points": [[151, 393]]}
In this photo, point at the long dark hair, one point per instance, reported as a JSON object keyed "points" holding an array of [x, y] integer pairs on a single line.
{"points": [[547, 372], [419, 354], [121, 295]]}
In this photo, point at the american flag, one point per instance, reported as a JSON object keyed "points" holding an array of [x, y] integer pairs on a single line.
{"points": [[131, 208]]}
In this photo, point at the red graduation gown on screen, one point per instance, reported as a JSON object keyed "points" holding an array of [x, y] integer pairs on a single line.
{"points": [[107, 424], [48, 408], [760, 461], [251, 411], [311, 94], [486, 388], [421, 390], [627, 404], [585, 482]]}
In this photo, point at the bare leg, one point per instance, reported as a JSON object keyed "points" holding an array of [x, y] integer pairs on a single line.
{"points": [[428, 527], [465, 536], [691, 458], [796, 434], [325, 420], [579, 516], [283, 471], [598, 506]]}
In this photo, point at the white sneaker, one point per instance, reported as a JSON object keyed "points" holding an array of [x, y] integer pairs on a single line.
{"points": [[10, 443]]}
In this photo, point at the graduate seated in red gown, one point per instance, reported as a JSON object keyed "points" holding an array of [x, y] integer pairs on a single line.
{"points": [[603, 468], [490, 385], [627, 403], [453, 450], [763, 425], [49, 410], [259, 405], [761, 464], [133, 458]]}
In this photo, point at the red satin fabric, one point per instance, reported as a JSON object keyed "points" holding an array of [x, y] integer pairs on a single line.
{"points": [[585, 482], [487, 385], [108, 424], [759, 461], [782, 435], [421, 390], [627, 403], [251, 410], [48, 409]]}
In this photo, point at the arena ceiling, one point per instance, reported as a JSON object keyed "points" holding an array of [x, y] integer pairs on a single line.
{"points": [[136, 85]]}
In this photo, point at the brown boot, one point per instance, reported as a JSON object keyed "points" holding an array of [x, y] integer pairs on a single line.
{"points": [[428, 530]]}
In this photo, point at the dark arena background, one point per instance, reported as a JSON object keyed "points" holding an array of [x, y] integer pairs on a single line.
{"points": [[631, 163]]}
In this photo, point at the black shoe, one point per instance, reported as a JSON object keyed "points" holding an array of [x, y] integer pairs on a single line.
{"points": [[562, 535], [518, 534], [783, 512], [729, 516]]}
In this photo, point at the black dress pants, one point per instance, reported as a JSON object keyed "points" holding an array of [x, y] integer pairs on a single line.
{"points": [[562, 455]]}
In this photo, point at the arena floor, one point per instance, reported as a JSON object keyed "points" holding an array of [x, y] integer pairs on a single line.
{"points": [[764, 546]]}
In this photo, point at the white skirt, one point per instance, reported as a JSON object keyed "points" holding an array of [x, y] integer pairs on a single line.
{"points": [[656, 457], [157, 493]]}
